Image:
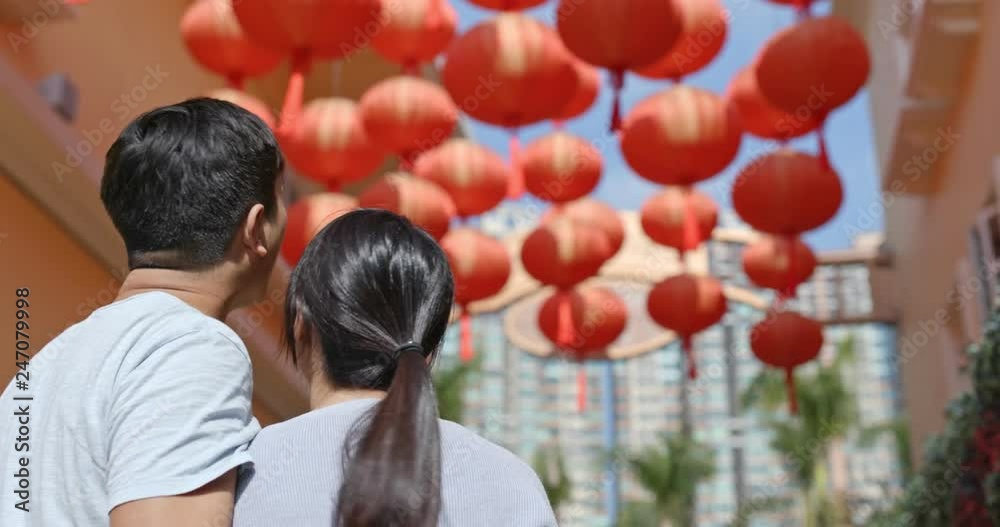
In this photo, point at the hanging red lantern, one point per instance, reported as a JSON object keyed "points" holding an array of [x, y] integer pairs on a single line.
{"points": [[563, 253], [595, 214], [416, 32], [680, 217], [760, 118], [787, 340], [687, 304], [481, 267], [680, 136], [422, 202], [247, 102], [818, 64], [619, 35], [777, 263], [588, 86], [328, 143], [474, 176], [510, 71], [308, 216], [704, 26], [787, 193], [215, 39], [408, 115], [595, 317], [561, 167], [508, 5], [305, 30]]}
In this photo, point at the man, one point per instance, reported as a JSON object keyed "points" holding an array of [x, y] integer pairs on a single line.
{"points": [[140, 414]]}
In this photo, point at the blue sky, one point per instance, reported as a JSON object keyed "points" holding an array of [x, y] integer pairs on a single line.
{"points": [[849, 132]]}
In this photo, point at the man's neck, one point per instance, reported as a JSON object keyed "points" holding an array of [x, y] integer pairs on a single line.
{"points": [[206, 291]]}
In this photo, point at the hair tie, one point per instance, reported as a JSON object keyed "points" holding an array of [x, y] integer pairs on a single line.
{"points": [[409, 346]]}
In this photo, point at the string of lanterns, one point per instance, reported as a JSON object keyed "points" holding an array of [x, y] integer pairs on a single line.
{"points": [[512, 71]]}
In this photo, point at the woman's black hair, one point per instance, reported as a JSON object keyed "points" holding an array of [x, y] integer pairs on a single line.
{"points": [[378, 292]]}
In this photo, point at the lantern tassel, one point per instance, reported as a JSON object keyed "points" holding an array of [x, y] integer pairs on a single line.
{"points": [[824, 154], [688, 346], [411, 68], [793, 402], [564, 331], [515, 188], [236, 81], [691, 232], [581, 389], [790, 282], [465, 351], [617, 83], [296, 87]]}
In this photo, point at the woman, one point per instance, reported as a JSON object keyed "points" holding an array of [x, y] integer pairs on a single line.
{"points": [[367, 309]]}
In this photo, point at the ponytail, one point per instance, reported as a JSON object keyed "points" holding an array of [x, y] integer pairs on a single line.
{"points": [[393, 476]]}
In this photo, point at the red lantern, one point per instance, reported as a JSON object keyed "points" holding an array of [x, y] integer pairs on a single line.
{"points": [[687, 304], [508, 5], [424, 203], [787, 340], [619, 35], [328, 143], [416, 32], [760, 118], [308, 216], [818, 64], [306, 29], [680, 136], [214, 37], [561, 167], [583, 322], [474, 176], [564, 253], [781, 264], [510, 71], [787, 193], [704, 27], [588, 85], [408, 115], [595, 214], [681, 218], [247, 102], [481, 267]]}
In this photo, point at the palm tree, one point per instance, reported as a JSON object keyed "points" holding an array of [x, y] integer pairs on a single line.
{"points": [[670, 472], [827, 410], [548, 463], [899, 431], [449, 385]]}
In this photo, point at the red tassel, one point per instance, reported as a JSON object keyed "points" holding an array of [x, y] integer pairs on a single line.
{"points": [[824, 155], [236, 81], [581, 389], [465, 351], [688, 346], [617, 83], [564, 331], [692, 235], [793, 402], [516, 186], [791, 285], [296, 87], [411, 68]]}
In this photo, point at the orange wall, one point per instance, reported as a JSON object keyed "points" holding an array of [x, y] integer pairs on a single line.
{"points": [[65, 281]]}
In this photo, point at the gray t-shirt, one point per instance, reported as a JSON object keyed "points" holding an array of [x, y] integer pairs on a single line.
{"points": [[298, 471], [147, 397]]}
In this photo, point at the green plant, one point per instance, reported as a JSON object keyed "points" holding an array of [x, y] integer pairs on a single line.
{"points": [[671, 471], [548, 463], [450, 385]]}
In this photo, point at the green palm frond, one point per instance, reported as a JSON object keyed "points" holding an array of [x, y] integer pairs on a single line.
{"points": [[899, 431], [551, 468], [766, 391], [450, 384], [671, 472]]}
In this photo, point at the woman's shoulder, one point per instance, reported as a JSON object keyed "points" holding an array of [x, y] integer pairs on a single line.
{"points": [[464, 450]]}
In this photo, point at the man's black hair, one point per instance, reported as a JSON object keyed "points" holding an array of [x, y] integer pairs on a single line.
{"points": [[180, 179]]}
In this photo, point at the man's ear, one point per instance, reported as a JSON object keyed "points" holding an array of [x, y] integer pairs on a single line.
{"points": [[253, 230]]}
